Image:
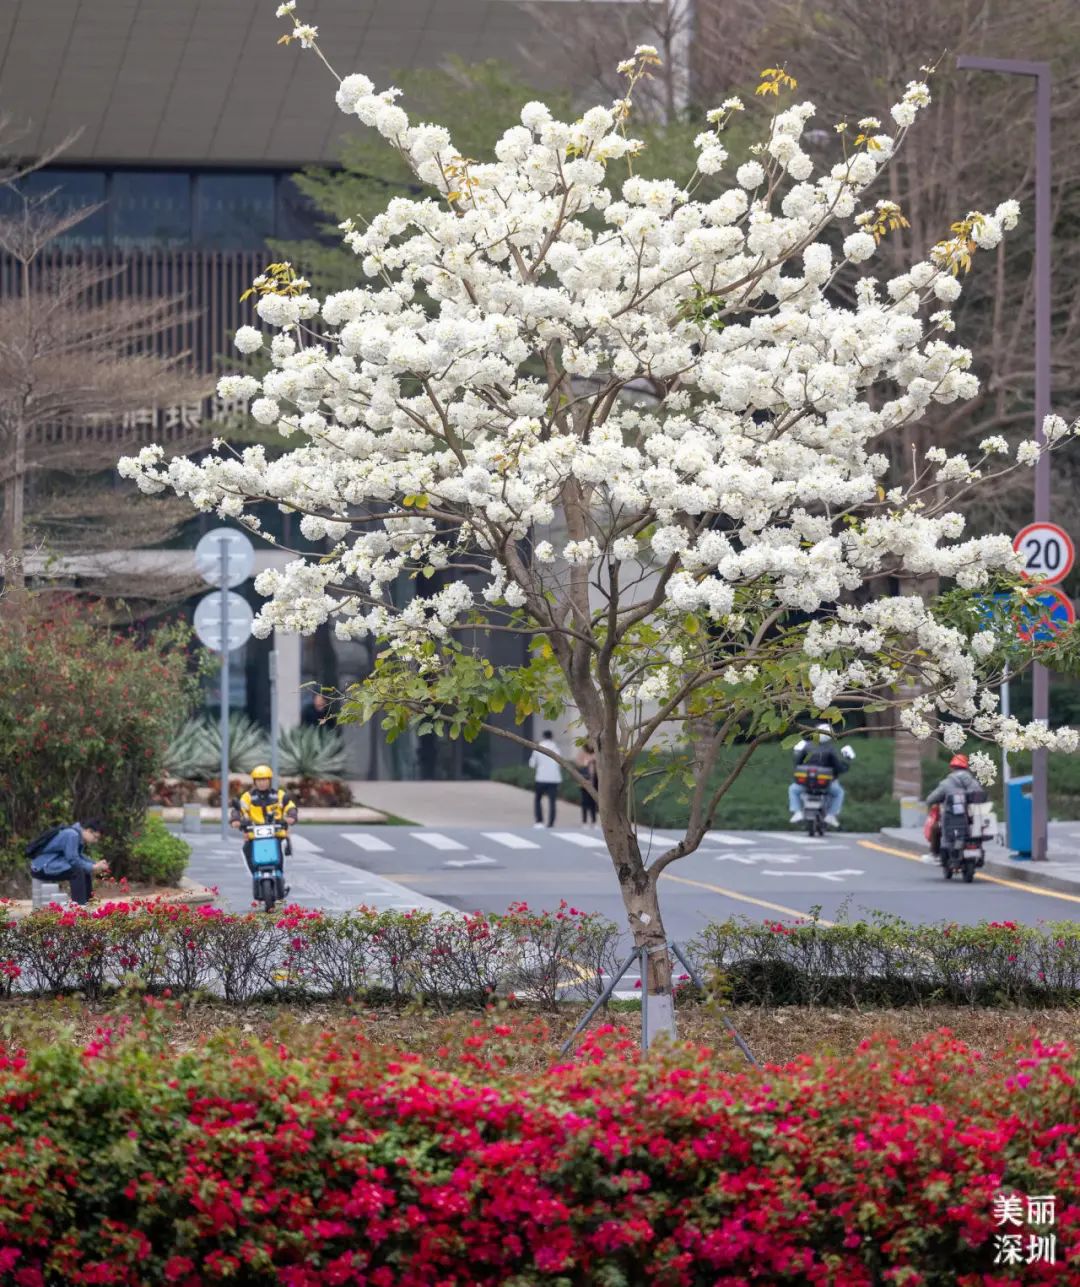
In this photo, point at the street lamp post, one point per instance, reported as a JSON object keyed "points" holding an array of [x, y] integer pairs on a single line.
{"points": [[1041, 677]]}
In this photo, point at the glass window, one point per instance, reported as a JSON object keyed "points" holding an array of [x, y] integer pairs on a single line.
{"points": [[234, 211], [298, 219], [150, 208], [64, 191]]}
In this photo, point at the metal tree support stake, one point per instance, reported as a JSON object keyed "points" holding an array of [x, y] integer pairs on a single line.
{"points": [[640, 955]]}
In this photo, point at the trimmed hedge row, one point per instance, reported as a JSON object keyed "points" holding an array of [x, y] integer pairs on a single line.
{"points": [[388, 956], [132, 1161], [549, 957], [886, 961]]}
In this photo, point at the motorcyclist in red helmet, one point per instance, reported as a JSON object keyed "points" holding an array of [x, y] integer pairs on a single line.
{"points": [[960, 778]]}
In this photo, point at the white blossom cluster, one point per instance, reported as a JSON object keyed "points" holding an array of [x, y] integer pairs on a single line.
{"points": [[481, 378]]}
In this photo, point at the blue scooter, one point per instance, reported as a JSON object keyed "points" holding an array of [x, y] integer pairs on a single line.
{"points": [[267, 864]]}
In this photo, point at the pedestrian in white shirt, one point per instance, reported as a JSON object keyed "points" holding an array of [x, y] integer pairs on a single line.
{"points": [[548, 776]]}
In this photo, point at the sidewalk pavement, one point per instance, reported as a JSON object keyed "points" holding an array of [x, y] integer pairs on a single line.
{"points": [[1061, 871], [315, 881], [458, 804]]}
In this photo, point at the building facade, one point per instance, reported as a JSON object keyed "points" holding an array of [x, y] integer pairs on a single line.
{"points": [[183, 122]]}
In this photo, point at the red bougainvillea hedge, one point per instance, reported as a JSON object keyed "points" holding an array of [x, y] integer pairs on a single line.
{"points": [[134, 1161]]}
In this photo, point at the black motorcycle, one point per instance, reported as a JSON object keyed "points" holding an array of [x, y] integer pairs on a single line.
{"points": [[815, 780], [961, 846]]}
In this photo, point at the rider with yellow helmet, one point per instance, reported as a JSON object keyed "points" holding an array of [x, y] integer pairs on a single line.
{"points": [[261, 805]]}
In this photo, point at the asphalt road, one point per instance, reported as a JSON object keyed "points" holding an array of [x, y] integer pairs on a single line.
{"points": [[754, 874]]}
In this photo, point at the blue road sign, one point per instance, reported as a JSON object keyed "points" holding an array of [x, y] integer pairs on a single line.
{"points": [[1038, 619]]}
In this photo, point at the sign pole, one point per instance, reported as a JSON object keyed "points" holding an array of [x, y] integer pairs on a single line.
{"points": [[225, 688], [1006, 710], [274, 712], [1041, 73], [1043, 341]]}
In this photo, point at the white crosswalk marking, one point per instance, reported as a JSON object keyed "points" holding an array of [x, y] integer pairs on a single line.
{"points": [[722, 838], [790, 839], [821, 875], [579, 838], [436, 840], [302, 845], [365, 840], [510, 840]]}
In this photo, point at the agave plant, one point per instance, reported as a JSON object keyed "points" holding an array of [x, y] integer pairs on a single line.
{"points": [[187, 755], [312, 751], [248, 746]]}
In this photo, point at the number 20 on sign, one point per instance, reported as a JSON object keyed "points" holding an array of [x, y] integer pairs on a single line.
{"points": [[1047, 551]]}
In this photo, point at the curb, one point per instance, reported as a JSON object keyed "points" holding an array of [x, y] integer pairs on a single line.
{"points": [[195, 895], [350, 814], [191, 895], [1026, 872]]}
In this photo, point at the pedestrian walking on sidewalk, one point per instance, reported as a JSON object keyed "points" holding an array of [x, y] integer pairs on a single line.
{"points": [[586, 763], [548, 777]]}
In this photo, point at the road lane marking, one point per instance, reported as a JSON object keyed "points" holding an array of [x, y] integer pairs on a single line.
{"points": [[401, 877], [751, 860], [790, 839], [301, 844], [821, 875], [373, 844], [510, 840], [743, 898], [980, 876], [436, 840], [722, 838], [480, 860], [579, 838]]}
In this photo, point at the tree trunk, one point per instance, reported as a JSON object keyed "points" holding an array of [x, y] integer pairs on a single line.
{"points": [[14, 551], [908, 758], [646, 924]]}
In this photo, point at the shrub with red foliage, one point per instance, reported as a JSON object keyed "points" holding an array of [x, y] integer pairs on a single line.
{"points": [[131, 1162], [86, 714], [321, 793]]}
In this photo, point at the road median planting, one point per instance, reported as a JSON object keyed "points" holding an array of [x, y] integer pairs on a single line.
{"points": [[555, 959]]}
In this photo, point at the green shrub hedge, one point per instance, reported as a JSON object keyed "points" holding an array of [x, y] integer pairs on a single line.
{"points": [[133, 1160], [757, 801], [551, 957], [157, 857]]}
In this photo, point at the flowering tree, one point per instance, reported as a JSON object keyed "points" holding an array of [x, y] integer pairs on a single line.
{"points": [[636, 427]]}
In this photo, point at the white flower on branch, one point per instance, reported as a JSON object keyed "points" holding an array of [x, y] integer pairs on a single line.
{"points": [[540, 341]]}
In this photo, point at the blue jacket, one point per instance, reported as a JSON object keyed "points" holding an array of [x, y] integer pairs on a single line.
{"points": [[63, 853]]}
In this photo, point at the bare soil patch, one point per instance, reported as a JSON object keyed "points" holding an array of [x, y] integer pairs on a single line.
{"points": [[775, 1036]]}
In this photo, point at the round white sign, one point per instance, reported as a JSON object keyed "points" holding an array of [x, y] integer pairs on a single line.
{"points": [[1047, 550], [239, 555], [208, 621]]}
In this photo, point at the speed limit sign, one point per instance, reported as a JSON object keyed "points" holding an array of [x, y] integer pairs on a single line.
{"points": [[1047, 551]]}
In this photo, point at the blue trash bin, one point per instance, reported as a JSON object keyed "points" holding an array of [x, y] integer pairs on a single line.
{"points": [[1019, 817]]}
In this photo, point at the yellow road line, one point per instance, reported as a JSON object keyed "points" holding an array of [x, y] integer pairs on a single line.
{"points": [[993, 880], [742, 898]]}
